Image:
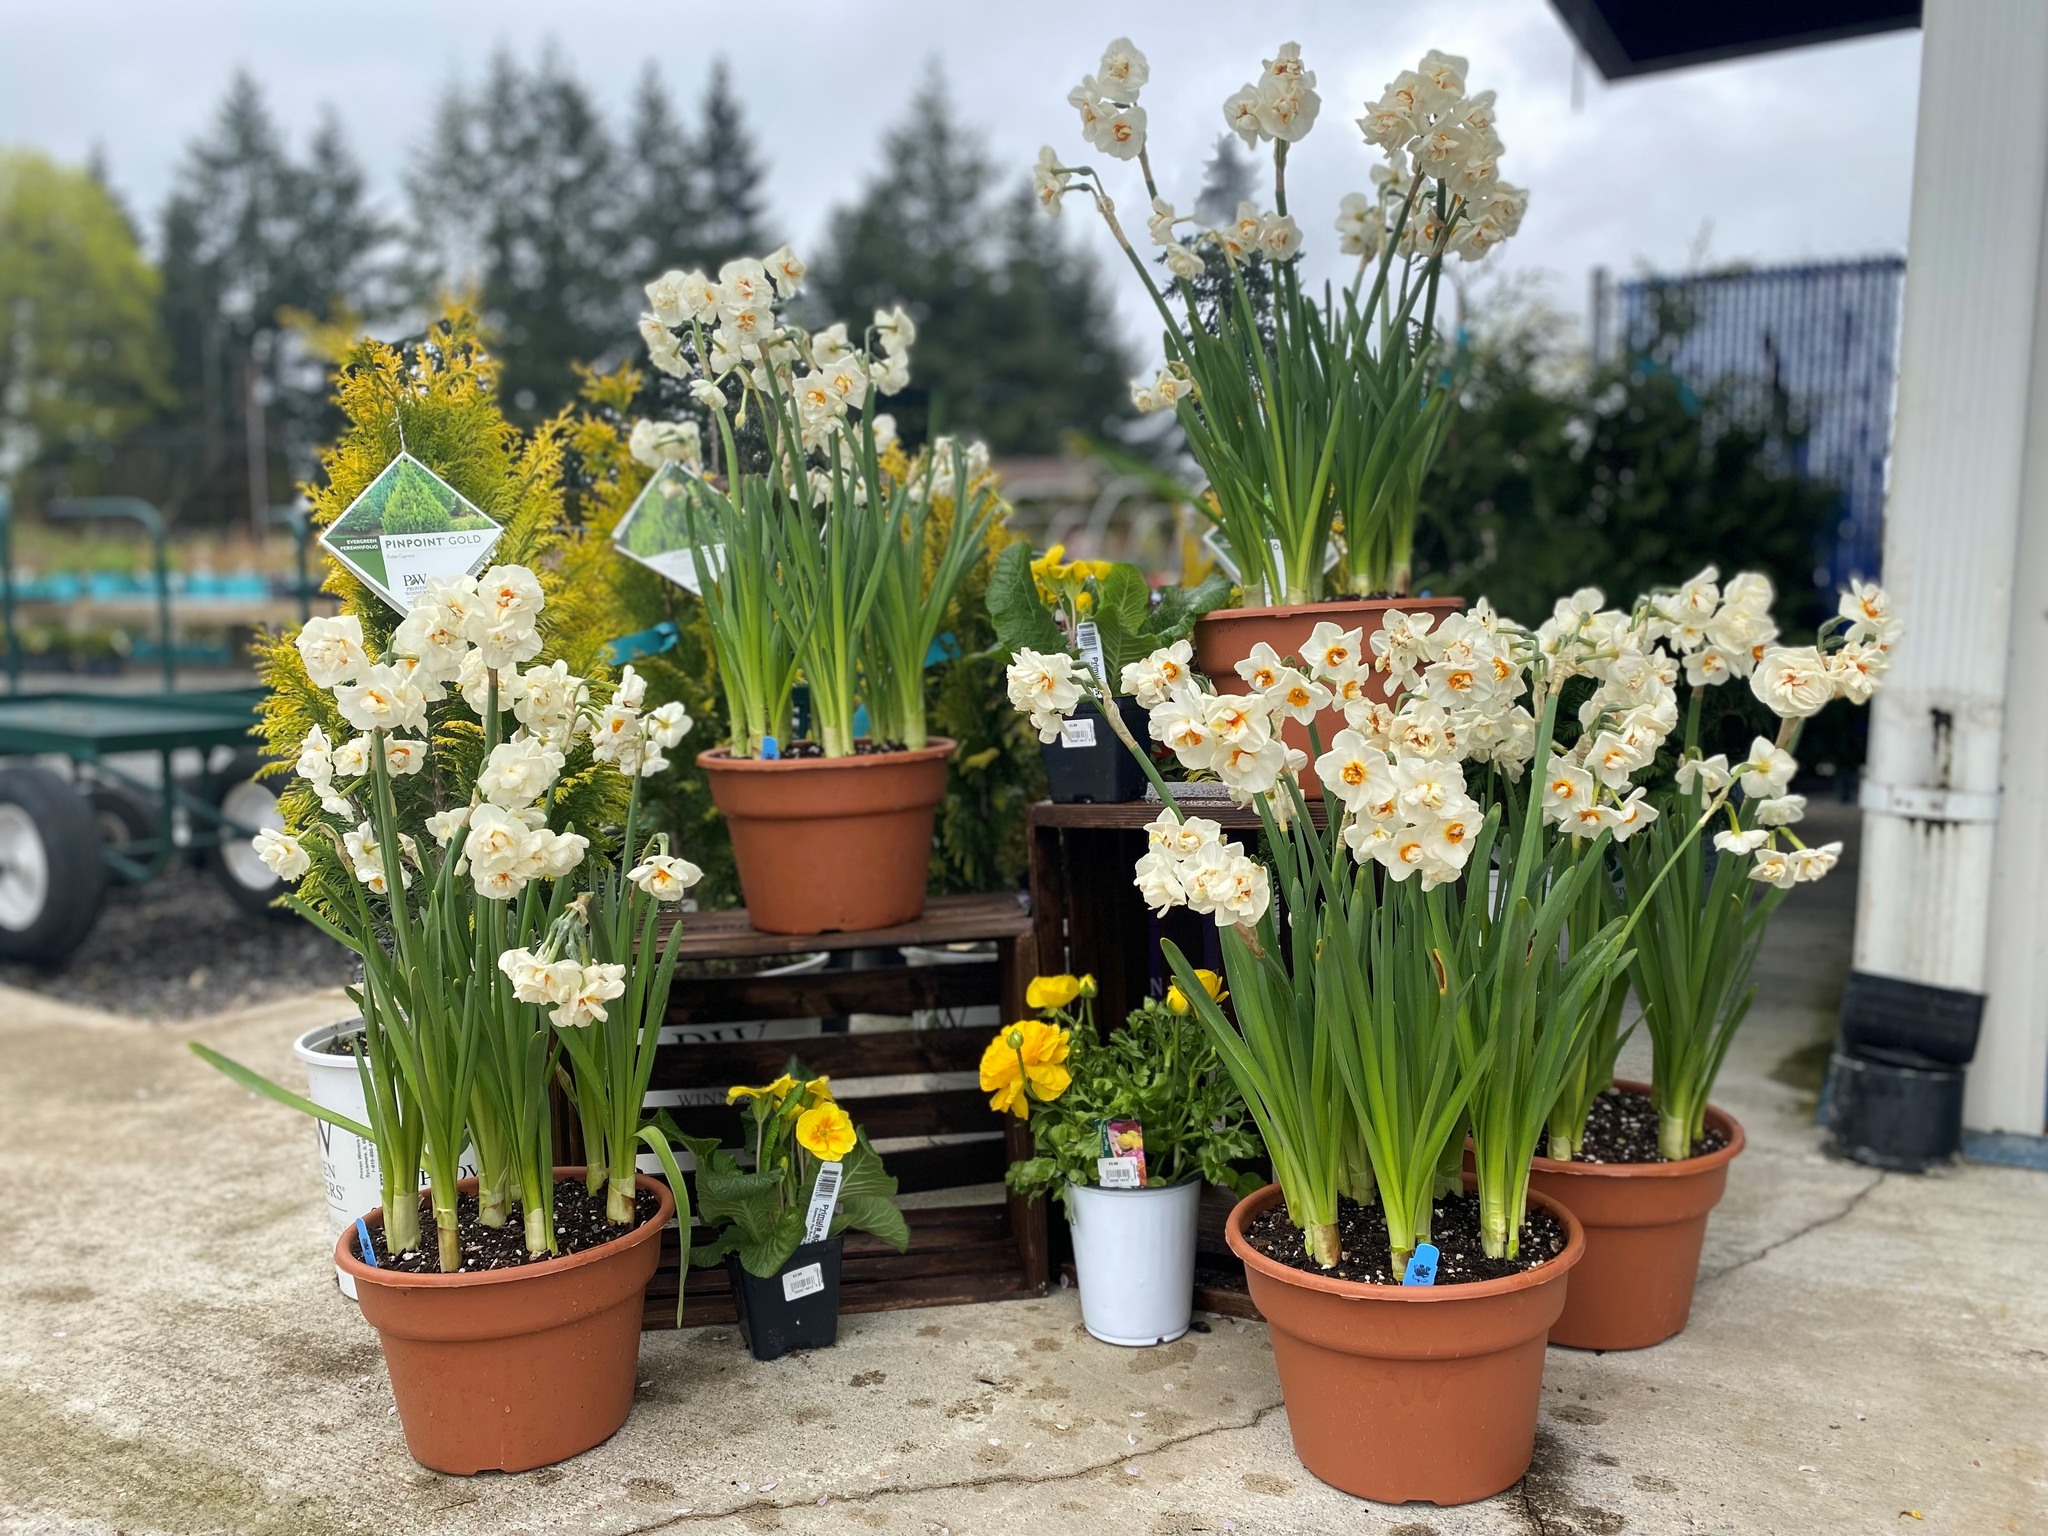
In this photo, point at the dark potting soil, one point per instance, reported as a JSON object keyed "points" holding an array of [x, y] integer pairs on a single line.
{"points": [[579, 1225], [349, 1044], [861, 748], [1622, 1128], [1453, 1228]]}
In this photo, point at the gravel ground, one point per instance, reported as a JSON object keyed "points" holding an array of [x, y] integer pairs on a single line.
{"points": [[177, 947]]}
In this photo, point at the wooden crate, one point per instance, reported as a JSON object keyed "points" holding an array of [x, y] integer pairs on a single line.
{"points": [[961, 1250], [1088, 917]]}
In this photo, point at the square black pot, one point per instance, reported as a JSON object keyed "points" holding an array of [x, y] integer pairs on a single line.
{"points": [[1089, 764], [775, 1322]]}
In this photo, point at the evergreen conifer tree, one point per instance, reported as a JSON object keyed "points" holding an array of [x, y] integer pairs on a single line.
{"points": [[664, 222], [729, 179], [1016, 339]]}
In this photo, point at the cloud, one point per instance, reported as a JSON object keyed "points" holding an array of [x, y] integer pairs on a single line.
{"points": [[1798, 155]]}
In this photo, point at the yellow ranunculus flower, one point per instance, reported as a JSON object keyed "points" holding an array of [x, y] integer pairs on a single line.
{"points": [[1025, 1062], [1212, 984], [825, 1131], [1052, 991]]}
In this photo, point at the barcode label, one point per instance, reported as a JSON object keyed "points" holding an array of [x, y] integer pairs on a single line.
{"points": [[824, 1200], [1077, 733], [1118, 1173], [803, 1282], [1088, 640]]}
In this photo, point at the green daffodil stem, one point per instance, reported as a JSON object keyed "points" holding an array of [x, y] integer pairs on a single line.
{"points": [[538, 1237], [618, 1204], [1322, 1244]]}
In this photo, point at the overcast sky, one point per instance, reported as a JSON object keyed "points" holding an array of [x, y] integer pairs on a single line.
{"points": [[1800, 155]]}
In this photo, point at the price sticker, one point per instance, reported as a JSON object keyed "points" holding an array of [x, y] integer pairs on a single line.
{"points": [[1119, 1172], [807, 1281], [824, 1200], [1088, 640], [1077, 733]]}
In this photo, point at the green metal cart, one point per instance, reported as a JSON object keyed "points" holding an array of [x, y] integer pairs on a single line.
{"points": [[63, 838]]}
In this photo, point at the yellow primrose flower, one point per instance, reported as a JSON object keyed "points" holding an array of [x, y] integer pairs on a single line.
{"points": [[1212, 984], [1097, 569], [777, 1090], [819, 1089], [825, 1131], [1046, 992], [1022, 1063]]}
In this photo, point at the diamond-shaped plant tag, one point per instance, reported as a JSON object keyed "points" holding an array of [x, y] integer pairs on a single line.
{"points": [[656, 529], [408, 528]]}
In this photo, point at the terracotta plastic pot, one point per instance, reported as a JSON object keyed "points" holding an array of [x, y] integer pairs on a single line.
{"points": [[1644, 1224], [1227, 636], [836, 844], [1398, 1392], [513, 1368]]}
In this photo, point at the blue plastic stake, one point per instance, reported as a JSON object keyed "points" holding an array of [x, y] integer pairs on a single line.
{"points": [[770, 748], [366, 1249], [1421, 1265]]}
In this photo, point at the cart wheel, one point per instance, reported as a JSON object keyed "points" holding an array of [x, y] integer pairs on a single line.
{"points": [[51, 874], [242, 798], [122, 816]]}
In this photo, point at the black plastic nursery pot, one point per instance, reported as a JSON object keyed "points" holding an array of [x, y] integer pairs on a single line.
{"points": [[1088, 764], [1903, 1113], [797, 1307]]}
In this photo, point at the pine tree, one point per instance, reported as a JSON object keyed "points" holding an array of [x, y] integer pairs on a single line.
{"points": [[665, 219], [1016, 342], [252, 241], [1228, 179], [516, 198], [729, 179]]}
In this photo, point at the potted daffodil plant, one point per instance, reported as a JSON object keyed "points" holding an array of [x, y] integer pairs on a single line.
{"points": [[1105, 614], [825, 558], [1127, 1129], [465, 819], [1425, 990], [1642, 1165], [781, 1216], [1314, 419]]}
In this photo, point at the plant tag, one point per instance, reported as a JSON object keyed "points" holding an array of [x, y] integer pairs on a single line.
{"points": [[1219, 551], [365, 1249], [1123, 1141], [408, 528], [770, 748], [1088, 641], [807, 1281], [824, 1200], [656, 531], [1077, 733], [1120, 1172], [1421, 1266]]}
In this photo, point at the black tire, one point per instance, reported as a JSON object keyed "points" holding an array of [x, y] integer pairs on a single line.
{"points": [[122, 816], [235, 791], [51, 872]]}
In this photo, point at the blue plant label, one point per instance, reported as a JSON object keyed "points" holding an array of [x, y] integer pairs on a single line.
{"points": [[1421, 1266], [770, 748], [644, 642], [366, 1249]]}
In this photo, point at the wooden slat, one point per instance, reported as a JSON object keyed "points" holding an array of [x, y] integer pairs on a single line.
{"points": [[950, 1166], [896, 989], [946, 920], [941, 1112], [887, 1296], [894, 1053]]}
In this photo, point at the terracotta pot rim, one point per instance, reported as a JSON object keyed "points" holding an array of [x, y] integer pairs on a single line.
{"points": [[1297, 610], [402, 1280], [721, 759], [1259, 1200], [1689, 1168]]}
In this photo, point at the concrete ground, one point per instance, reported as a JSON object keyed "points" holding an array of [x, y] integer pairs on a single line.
{"points": [[1867, 1352]]}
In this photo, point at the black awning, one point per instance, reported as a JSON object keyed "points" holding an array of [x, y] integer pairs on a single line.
{"points": [[1640, 37]]}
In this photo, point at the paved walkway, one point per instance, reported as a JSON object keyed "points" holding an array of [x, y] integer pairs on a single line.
{"points": [[1863, 1346]]}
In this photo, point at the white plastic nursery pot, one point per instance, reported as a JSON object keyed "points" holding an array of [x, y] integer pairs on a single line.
{"points": [[348, 1164], [1134, 1255]]}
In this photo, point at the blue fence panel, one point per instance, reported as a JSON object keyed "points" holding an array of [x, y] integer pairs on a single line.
{"points": [[1823, 337]]}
